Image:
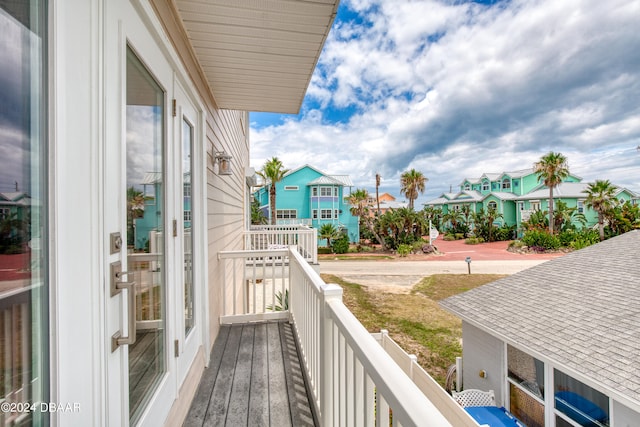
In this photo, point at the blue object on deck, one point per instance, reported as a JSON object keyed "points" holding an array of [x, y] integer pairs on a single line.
{"points": [[580, 409], [492, 416]]}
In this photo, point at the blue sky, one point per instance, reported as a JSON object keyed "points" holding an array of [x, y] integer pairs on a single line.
{"points": [[458, 88]]}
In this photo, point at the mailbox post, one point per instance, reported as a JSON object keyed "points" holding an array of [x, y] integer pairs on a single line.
{"points": [[468, 261]]}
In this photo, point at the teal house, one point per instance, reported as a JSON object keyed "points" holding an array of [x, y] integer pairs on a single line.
{"points": [[311, 197], [516, 195]]}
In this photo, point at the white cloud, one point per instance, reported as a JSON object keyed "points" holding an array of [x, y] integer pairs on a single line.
{"points": [[456, 89]]}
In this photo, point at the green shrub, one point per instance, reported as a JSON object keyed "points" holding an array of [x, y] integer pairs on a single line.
{"points": [[538, 239], [418, 244], [585, 238], [324, 251], [448, 237], [474, 240], [404, 250], [504, 233], [340, 245], [516, 244], [459, 236]]}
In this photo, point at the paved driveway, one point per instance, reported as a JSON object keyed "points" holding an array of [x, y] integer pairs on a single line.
{"points": [[491, 258]]}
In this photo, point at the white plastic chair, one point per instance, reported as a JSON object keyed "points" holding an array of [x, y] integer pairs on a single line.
{"points": [[474, 397]]}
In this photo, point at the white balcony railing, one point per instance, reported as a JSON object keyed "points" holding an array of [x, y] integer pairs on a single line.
{"points": [[266, 237], [353, 380]]}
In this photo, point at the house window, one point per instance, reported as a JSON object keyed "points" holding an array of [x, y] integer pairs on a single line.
{"points": [[521, 206], [314, 214], [4, 213], [578, 402], [535, 206], [485, 186], [186, 189], [286, 214], [326, 213], [187, 216], [456, 207], [467, 187], [336, 214], [291, 187], [492, 205], [506, 184], [580, 206], [525, 375], [326, 191]]}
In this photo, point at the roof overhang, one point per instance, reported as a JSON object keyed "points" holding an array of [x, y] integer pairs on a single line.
{"points": [[258, 55]]}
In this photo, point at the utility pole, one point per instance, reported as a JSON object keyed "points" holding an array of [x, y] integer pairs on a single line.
{"points": [[377, 195]]}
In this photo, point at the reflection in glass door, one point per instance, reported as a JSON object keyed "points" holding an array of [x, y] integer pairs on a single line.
{"points": [[145, 230], [24, 328], [187, 207]]}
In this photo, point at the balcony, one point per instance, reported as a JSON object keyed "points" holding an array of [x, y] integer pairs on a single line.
{"points": [[322, 366]]}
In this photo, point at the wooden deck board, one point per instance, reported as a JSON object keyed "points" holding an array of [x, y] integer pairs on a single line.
{"points": [[254, 379], [259, 399]]}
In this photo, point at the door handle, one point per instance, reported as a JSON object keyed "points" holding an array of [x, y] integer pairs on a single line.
{"points": [[116, 287]]}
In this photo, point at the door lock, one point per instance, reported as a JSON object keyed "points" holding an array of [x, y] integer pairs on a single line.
{"points": [[115, 242]]}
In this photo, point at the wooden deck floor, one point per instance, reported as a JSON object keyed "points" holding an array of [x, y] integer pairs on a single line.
{"points": [[253, 379]]}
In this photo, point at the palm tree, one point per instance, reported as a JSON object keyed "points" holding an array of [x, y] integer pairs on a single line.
{"points": [[552, 169], [601, 198], [272, 172], [328, 231], [359, 207], [412, 183]]}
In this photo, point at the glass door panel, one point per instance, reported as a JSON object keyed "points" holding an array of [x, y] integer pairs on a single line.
{"points": [[187, 208], [145, 118], [24, 356]]}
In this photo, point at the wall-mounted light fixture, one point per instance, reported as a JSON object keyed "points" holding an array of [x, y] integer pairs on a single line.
{"points": [[224, 163]]}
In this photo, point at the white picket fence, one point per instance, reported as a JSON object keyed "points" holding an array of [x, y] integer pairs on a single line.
{"points": [[353, 380]]}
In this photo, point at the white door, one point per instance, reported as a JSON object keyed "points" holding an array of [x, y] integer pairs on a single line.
{"points": [[140, 212], [188, 163]]}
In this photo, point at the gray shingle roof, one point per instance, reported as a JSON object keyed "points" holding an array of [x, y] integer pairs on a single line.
{"points": [[580, 311]]}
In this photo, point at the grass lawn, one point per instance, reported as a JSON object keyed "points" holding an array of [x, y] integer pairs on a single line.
{"points": [[414, 320]]}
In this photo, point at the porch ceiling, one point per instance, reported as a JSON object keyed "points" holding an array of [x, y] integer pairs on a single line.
{"points": [[258, 55]]}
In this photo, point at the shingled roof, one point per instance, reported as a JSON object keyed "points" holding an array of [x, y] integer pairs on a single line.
{"points": [[581, 312]]}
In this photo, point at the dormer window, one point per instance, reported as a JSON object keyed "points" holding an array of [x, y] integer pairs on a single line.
{"points": [[485, 185], [467, 187], [506, 184]]}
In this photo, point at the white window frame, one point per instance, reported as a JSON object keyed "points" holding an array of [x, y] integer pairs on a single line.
{"points": [[486, 186], [326, 213], [286, 214], [506, 184], [494, 204]]}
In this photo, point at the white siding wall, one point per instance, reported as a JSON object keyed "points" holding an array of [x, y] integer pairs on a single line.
{"points": [[482, 352], [226, 130]]}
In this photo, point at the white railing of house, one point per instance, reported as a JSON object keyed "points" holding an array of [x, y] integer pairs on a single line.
{"points": [[145, 270], [429, 387], [352, 379], [295, 221], [252, 283], [15, 353], [265, 237]]}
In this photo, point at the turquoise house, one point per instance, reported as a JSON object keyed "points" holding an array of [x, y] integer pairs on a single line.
{"points": [[311, 197], [516, 195]]}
